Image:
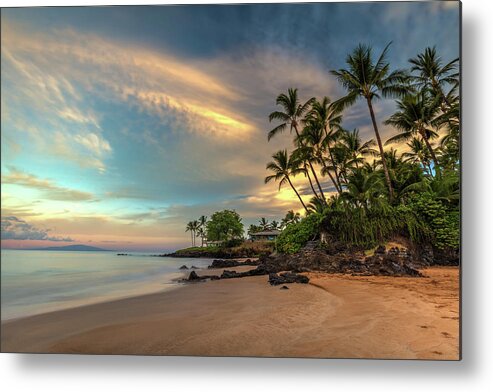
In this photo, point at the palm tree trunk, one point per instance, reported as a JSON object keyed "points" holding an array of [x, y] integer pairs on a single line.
{"points": [[432, 152], [331, 177], [311, 183], [297, 194], [380, 147], [311, 166], [318, 183], [332, 160]]}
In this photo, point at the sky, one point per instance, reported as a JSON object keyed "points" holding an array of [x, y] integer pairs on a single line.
{"points": [[121, 124]]}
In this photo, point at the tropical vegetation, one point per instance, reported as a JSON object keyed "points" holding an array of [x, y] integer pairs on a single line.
{"points": [[367, 191]]}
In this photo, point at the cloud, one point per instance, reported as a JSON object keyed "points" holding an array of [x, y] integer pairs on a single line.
{"points": [[93, 143], [13, 228], [48, 188]]}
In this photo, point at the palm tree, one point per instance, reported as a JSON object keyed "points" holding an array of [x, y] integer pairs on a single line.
{"points": [[356, 149], [263, 223], [368, 79], [254, 229], [431, 74], [363, 188], [415, 117], [189, 228], [305, 154], [316, 205], [313, 137], [291, 217], [418, 153], [293, 113], [195, 227], [202, 232], [284, 167], [274, 225], [328, 117]]}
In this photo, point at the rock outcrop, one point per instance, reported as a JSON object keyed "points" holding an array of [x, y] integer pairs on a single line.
{"points": [[228, 263], [287, 277]]}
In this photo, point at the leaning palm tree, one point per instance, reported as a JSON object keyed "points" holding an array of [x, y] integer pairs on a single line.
{"points": [[292, 114], [283, 167], [313, 138], [368, 79], [431, 74], [328, 117], [415, 116]]}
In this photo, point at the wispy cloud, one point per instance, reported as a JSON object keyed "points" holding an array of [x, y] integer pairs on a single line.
{"points": [[49, 190]]}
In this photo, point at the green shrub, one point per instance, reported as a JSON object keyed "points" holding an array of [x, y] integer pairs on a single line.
{"points": [[443, 221], [296, 235]]}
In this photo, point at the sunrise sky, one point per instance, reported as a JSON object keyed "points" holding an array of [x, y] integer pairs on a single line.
{"points": [[121, 124]]}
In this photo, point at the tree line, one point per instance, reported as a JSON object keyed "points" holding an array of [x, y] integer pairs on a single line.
{"points": [[362, 172]]}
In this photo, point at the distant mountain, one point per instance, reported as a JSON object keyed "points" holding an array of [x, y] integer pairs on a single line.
{"points": [[80, 248]]}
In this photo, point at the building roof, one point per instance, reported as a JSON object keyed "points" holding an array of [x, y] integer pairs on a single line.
{"points": [[267, 232]]}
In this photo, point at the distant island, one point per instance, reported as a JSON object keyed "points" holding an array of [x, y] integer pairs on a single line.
{"points": [[80, 248]]}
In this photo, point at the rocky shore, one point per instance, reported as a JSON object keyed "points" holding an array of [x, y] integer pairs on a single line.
{"points": [[284, 269]]}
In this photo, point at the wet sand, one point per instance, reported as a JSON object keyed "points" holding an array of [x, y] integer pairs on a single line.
{"points": [[335, 316]]}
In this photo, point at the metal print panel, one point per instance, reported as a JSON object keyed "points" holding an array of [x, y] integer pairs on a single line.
{"points": [[267, 180]]}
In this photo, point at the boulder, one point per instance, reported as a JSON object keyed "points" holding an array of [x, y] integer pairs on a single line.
{"points": [[183, 267], [193, 276], [287, 277]]}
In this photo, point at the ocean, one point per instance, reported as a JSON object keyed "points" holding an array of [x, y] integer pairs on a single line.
{"points": [[36, 282]]}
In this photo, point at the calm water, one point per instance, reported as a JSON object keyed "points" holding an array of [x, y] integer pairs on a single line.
{"points": [[40, 281]]}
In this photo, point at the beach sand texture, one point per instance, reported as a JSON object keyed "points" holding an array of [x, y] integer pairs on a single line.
{"points": [[335, 316]]}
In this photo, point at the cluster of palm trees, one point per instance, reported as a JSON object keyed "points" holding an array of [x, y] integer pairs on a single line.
{"points": [[197, 228], [265, 225], [362, 172]]}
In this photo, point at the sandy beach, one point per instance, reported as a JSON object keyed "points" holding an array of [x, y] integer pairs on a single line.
{"points": [[334, 316]]}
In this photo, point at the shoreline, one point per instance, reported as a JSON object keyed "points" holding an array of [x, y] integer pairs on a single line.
{"points": [[333, 316]]}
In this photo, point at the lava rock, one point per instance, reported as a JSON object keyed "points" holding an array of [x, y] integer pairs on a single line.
{"points": [[222, 263], [287, 277], [183, 267]]}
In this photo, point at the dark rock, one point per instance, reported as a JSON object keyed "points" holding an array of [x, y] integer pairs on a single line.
{"points": [[229, 274], [284, 288], [194, 267], [398, 262], [380, 250], [287, 277], [183, 267], [193, 276], [221, 263]]}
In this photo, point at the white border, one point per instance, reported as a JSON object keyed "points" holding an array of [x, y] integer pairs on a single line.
{"points": [[117, 373]]}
